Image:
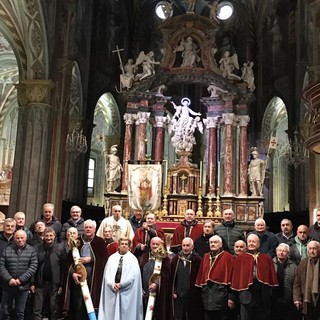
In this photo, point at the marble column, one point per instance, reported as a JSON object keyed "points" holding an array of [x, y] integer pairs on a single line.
{"points": [[159, 137], [243, 149], [141, 125], [129, 119], [212, 151], [33, 145], [228, 119]]}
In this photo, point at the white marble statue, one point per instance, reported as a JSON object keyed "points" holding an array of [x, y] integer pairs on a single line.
{"points": [[127, 77], [113, 170], [183, 126], [256, 173], [248, 75], [147, 61], [214, 91], [189, 51], [228, 64]]}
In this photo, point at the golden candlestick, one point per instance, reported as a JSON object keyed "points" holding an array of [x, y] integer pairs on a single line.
{"points": [[217, 213], [199, 213], [210, 213], [164, 211]]}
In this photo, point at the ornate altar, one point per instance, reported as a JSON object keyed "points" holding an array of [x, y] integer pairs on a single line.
{"points": [[204, 140]]}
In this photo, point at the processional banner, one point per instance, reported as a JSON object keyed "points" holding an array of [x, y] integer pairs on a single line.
{"points": [[144, 186]]}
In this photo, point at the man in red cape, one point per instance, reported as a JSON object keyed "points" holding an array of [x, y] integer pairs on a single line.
{"points": [[189, 227], [142, 237], [214, 277], [253, 277]]}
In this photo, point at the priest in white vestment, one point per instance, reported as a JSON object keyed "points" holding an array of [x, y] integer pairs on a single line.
{"points": [[121, 293]]}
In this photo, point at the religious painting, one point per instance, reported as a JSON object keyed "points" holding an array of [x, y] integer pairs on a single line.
{"points": [[144, 186], [240, 214]]}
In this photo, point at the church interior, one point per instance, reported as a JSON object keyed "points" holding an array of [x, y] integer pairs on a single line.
{"points": [[171, 88]]}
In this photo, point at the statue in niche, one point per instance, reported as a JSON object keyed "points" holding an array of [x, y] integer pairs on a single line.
{"points": [[147, 61], [183, 126], [213, 90], [189, 51], [256, 173], [113, 170], [127, 77], [248, 75], [228, 64]]}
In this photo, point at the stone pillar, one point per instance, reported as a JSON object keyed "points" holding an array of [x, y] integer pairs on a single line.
{"points": [[212, 151], [127, 148], [141, 123], [159, 137], [243, 149], [228, 119], [33, 146]]}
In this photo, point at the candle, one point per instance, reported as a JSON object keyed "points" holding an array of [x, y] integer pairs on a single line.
{"points": [[200, 173], [218, 180], [165, 172]]}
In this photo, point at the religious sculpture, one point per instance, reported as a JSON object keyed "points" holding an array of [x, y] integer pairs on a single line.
{"points": [[248, 75], [113, 170], [147, 61], [189, 54], [256, 173], [213, 11], [126, 78], [183, 126], [213, 90], [228, 64]]}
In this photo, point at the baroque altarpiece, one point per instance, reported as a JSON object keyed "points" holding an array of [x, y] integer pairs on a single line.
{"points": [[196, 100]]}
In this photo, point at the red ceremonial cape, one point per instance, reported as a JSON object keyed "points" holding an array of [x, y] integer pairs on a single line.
{"points": [[180, 233], [140, 235], [242, 274], [219, 272]]}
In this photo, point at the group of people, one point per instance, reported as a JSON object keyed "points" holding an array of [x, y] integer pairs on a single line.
{"points": [[209, 272]]}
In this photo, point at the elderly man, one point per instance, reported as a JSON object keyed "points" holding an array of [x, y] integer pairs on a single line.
{"points": [[228, 230], [314, 230], [307, 283], [18, 265], [186, 297], [121, 286], [142, 237], [75, 221], [268, 241], [298, 249], [93, 257], [120, 226], [239, 247], [20, 219], [214, 278], [286, 235], [157, 282], [50, 220], [253, 278], [282, 297], [6, 236], [49, 276], [189, 227], [136, 220], [39, 228], [201, 244]]}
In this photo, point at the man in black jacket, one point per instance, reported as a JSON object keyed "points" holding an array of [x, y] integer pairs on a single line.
{"points": [[49, 276], [18, 265]]}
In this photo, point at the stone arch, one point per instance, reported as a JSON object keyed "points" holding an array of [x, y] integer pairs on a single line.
{"points": [[106, 132], [23, 25], [275, 123]]}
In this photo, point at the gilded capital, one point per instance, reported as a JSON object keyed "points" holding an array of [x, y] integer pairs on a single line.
{"points": [[212, 122], [243, 120], [142, 117], [160, 122], [228, 118], [129, 118], [34, 91]]}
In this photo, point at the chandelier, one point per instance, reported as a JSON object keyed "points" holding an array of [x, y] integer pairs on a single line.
{"points": [[297, 153], [76, 142]]}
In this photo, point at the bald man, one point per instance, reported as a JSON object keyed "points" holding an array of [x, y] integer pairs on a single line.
{"points": [[254, 279], [121, 228]]}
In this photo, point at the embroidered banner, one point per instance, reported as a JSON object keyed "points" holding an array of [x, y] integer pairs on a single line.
{"points": [[144, 186]]}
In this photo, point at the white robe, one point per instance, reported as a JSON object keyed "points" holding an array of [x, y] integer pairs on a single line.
{"points": [[120, 229], [127, 303]]}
